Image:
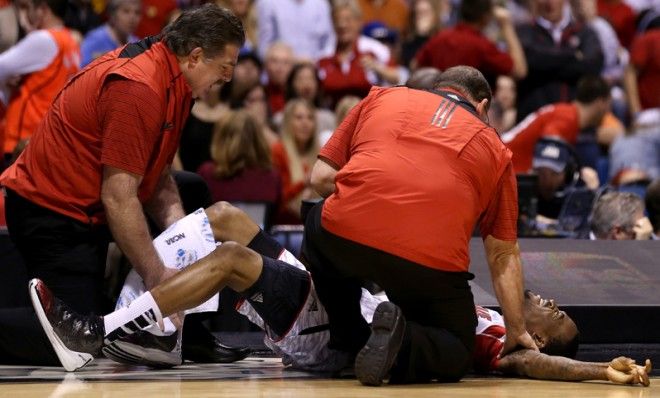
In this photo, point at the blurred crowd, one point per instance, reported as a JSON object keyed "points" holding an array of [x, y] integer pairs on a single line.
{"points": [[576, 88]]}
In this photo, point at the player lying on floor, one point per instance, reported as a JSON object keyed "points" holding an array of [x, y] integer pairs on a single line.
{"points": [[295, 320]]}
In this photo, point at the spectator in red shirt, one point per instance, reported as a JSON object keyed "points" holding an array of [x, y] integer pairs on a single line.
{"points": [[294, 157], [561, 119], [278, 63], [622, 18], [645, 68], [101, 159], [407, 176], [464, 44]]}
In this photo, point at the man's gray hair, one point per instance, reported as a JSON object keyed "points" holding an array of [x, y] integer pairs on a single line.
{"points": [[210, 27], [615, 209]]}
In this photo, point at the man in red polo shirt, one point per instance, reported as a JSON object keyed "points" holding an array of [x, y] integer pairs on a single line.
{"points": [[562, 119], [407, 176], [101, 158], [464, 44]]}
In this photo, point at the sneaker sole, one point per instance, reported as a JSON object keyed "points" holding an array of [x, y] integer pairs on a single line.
{"points": [[127, 353], [71, 360], [375, 359]]}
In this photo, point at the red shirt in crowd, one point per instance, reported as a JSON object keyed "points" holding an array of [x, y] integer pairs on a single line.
{"points": [[560, 119], [645, 56], [464, 45], [416, 172], [120, 111], [622, 18]]}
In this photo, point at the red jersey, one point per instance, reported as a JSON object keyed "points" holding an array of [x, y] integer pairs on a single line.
{"points": [[30, 103], [560, 119], [645, 55], [464, 45], [125, 110], [416, 171], [489, 340]]}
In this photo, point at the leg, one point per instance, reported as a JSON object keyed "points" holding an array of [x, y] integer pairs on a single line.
{"points": [[68, 254], [339, 293], [229, 265], [276, 290]]}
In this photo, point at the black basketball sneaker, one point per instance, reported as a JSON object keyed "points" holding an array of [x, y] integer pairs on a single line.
{"points": [[75, 338]]}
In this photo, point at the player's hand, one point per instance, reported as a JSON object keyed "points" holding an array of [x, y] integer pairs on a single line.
{"points": [[623, 370], [515, 341]]}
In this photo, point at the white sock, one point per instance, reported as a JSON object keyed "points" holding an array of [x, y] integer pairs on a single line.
{"points": [[140, 313]]}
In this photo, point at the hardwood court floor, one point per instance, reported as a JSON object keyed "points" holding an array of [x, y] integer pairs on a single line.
{"points": [[470, 387], [266, 377]]}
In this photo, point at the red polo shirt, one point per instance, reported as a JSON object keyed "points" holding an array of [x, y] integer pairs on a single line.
{"points": [[416, 172], [125, 112]]}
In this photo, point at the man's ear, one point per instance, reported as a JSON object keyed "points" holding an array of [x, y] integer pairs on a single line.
{"points": [[540, 341], [482, 109], [195, 56]]}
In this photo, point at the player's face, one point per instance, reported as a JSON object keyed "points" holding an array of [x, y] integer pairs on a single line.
{"points": [[202, 72], [543, 318]]}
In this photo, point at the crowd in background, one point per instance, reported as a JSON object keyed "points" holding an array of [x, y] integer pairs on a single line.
{"points": [[576, 87]]}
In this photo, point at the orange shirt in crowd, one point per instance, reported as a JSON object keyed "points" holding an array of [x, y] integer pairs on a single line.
{"points": [[30, 103]]}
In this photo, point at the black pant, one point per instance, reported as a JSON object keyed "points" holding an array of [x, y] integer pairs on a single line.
{"points": [[438, 306], [69, 256]]}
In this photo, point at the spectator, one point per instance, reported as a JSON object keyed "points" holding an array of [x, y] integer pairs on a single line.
{"points": [[564, 120], [278, 64], [392, 74], [644, 78], [652, 200], [464, 44], [303, 82], [253, 100], [294, 157], [195, 144], [341, 111], [620, 216], [559, 52], [123, 18], [81, 16], [423, 78], [357, 61], [622, 18], [393, 13], [248, 69], [304, 25], [155, 15], [559, 177], [247, 13], [502, 113], [241, 167], [43, 60], [8, 25], [425, 21], [635, 158]]}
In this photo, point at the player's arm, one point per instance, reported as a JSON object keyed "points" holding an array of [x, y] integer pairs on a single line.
{"points": [[165, 205], [537, 365]]}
